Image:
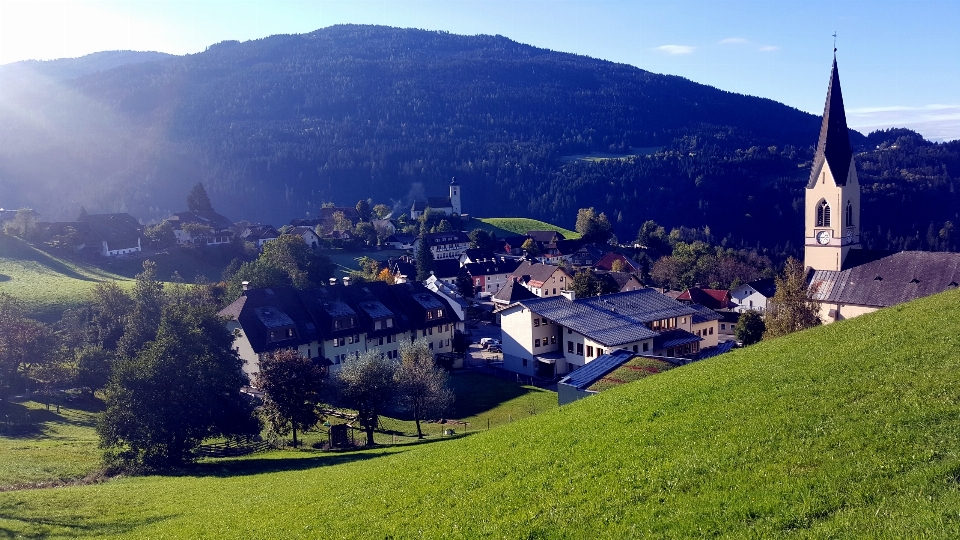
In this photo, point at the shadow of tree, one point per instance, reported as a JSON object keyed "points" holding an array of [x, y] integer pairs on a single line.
{"points": [[19, 421], [477, 393], [73, 526], [4, 277]]}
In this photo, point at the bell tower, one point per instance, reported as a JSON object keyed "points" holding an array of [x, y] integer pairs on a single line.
{"points": [[832, 208], [455, 196]]}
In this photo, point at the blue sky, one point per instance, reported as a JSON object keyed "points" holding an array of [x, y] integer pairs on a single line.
{"points": [[899, 60]]}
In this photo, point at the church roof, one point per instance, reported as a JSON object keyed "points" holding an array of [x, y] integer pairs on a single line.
{"points": [[888, 281], [833, 148]]}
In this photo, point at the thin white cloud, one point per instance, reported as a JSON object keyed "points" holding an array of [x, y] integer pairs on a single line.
{"points": [[937, 122], [676, 49], [769, 48], [734, 41]]}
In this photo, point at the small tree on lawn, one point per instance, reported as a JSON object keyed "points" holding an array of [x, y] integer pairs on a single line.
{"points": [[422, 385], [791, 308], [749, 328], [291, 386], [366, 385]]}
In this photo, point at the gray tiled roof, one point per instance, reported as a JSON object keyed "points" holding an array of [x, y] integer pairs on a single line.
{"points": [[513, 292], [613, 319], [674, 338], [892, 280], [704, 314]]}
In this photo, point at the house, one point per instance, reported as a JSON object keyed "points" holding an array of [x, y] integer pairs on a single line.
{"points": [[384, 224], [754, 296], [545, 238], [846, 279], [491, 275], [443, 205], [712, 298], [307, 233], [474, 255], [511, 293], [512, 245], [209, 228], [612, 259], [588, 255], [705, 324], [621, 281], [326, 217], [111, 234], [259, 234], [610, 370], [543, 280], [728, 323], [403, 269], [401, 241], [445, 245], [450, 294], [546, 337], [333, 324], [446, 270]]}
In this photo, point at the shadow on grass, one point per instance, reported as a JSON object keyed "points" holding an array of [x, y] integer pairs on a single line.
{"points": [[477, 393], [18, 421], [230, 467], [70, 527], [4, 277]]}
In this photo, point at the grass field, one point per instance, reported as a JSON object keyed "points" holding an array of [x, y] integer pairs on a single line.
{"points": [[47, 284], [38, 445], [349, 261], [850, 430], [513, 226]]}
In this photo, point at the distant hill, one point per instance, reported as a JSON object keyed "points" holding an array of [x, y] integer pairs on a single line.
{"points": [[849, 430], [70, 68], [275, 127]]}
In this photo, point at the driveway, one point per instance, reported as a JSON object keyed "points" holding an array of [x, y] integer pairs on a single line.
{"points": [[476, 356]]}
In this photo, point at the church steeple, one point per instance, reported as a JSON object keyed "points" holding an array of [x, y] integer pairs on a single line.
{"points": [[832, 215], [833, 148]]}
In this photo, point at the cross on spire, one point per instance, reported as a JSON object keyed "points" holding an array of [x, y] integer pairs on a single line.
{"points": [[834, 41]]}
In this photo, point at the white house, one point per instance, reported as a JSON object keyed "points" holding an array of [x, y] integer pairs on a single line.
{"points": [[754, 296], [546, 337], [445, 245]]}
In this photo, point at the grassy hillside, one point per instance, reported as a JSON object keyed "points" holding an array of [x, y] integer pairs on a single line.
{"points": [[850, 430], [47, 284], [511, 226]]}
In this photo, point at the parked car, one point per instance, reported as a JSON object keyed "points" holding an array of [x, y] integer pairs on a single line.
{"points": [[487, 341], [494, 349]]}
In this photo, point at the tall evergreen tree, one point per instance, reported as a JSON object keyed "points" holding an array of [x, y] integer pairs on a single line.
{"points": [[423, 260], [198, 201]]}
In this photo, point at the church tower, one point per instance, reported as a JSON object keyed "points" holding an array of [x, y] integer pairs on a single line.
{"points": [[832, 208], [455, 196]]}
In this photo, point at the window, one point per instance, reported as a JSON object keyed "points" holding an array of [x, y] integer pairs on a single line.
{"points": [[589, 351], [823, 213], [356, 339], [429, 315], [646, 347], [634, 347], [380, 342], [569, 346], [389, 323], [431, 345], [289, 332], [711, 330], [446, 328], [553, 340], [524, 362], [349, 339], [439, 313], [536, 343], [446, 343], [554, 290], [424, 332], [580, 349], [430, 330], [536, 322], [723, 326], [569, 330], [849, 220], [599, 352]]}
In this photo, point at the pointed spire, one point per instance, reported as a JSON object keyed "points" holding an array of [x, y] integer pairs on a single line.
{"points": [[834, 144]]}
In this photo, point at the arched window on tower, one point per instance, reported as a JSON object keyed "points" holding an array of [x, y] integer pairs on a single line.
{"points": [[823, 213], [849, 216]]}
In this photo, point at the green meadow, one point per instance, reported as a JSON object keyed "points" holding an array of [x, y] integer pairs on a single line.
{"points": [[850, 430], [513, 226]]}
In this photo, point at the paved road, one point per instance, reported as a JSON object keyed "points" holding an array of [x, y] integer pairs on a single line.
{"points": [[476, 356]]}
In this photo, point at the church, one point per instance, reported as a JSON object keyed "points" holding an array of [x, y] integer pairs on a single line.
{"points": [[846, 279], [443, 205]]}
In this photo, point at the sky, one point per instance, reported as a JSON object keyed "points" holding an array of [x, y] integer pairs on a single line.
{"points": [[899, 59]]}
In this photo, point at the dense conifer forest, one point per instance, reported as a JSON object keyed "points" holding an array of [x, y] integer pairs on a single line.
{"points": [[275, 127]]}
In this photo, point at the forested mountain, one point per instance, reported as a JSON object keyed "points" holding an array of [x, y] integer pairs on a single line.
{"points": [[70, 68], [277, 126]]}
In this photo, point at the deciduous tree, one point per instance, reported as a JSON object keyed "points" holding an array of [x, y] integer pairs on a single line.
{"points": [[366, 384], [749, 328], [422, 385], [180, 389], [291, 385], [791, 308]]}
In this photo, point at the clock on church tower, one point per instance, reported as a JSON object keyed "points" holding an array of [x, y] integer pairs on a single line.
{"points": [[832, 208]]}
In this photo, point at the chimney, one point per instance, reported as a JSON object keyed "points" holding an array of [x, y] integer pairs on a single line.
{"points": [[333, 281], [346, 281], [245, 285], [569, 294]]}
